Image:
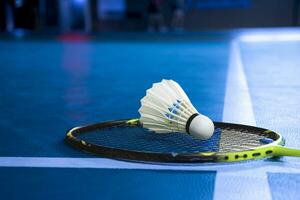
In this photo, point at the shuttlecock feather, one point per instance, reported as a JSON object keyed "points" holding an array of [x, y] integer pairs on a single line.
{"points": [[166, 108]]}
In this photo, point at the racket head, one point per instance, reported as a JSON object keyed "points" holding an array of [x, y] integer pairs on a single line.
{"points": [[128, 140]]}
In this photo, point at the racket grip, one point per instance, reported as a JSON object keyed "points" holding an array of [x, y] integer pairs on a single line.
{"points": [[285, 151]]}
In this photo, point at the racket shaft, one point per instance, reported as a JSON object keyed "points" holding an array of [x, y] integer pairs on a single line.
{"points": [[285, 151]]}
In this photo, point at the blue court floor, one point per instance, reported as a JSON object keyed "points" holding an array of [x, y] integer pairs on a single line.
{"points": [[48, 85]]}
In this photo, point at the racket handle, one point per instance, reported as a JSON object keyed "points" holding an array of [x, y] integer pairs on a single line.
{"points": [[285, 151]]}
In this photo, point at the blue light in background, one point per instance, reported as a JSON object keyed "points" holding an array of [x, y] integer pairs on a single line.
{"points": [[79, 1]]}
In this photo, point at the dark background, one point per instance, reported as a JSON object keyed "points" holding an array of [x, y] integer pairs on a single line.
{"points": [[83, 15]]}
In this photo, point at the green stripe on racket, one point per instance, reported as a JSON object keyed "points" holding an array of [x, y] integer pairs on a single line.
{"points": [[127, 140]]}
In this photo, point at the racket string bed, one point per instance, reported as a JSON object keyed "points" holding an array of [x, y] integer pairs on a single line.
{"points": [[233, 140], [139, 139]]}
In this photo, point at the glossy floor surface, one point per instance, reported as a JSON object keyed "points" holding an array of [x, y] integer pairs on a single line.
{"points": [[50, 85]]}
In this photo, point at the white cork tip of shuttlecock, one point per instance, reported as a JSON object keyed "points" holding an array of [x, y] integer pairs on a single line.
{"points": [[201, 127]]}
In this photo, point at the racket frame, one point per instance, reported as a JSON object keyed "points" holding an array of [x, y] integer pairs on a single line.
{"points": [[267, 150]]}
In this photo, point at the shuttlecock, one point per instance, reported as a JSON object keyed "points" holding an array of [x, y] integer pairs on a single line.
{"points": [[166, 108]]}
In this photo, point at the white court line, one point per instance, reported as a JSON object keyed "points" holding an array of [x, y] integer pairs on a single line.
{"points": [[238, 105], [267, 37], [105, 163], [238, 183]]}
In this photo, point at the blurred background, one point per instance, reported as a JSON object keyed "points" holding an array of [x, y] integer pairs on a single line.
{"points": [[93, 16]]}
